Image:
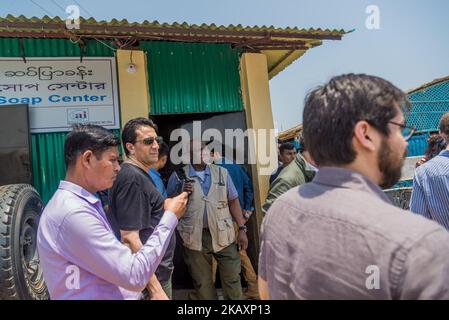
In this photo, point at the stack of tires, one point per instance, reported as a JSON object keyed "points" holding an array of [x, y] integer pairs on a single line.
{"points": [[21, 275]]}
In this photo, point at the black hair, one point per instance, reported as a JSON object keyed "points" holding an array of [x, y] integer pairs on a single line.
{"points": [[129, 130], [286, 146], [163, 150], [85, 137], [331, 112], [435, 144]]}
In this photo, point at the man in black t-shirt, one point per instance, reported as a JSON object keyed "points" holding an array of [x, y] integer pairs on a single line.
{"points": [[136, 206]]}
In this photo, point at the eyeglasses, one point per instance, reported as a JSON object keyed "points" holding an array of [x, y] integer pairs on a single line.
{"points": [[407, 131], [150, 140]]}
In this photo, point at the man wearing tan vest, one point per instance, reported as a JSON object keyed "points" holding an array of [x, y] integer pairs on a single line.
{"points": [[207, 227]]}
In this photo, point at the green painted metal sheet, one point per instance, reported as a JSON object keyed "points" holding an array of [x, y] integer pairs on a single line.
{"points": [[192, 77], [47, 152], [10, 47]]}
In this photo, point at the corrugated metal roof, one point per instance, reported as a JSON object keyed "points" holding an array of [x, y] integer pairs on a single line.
{"points": [[282, 46], [88, 25]]}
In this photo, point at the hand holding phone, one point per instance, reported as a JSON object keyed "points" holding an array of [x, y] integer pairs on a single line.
{"points": [[188, 186]]}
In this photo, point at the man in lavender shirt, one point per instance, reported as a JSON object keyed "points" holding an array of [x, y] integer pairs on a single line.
{"points": [[80, 255]]}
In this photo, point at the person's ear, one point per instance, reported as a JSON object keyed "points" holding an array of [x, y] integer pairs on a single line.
{"points": [[365, 135], [86, 158], [130, 147]]}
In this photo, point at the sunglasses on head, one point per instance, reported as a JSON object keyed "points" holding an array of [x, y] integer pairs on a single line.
{"points": [[150, 140]]}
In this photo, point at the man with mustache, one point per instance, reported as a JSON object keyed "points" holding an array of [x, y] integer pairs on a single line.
{"points": [[339, 236]]}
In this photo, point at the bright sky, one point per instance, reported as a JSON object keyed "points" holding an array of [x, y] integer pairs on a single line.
{"points": [[410, 48]]}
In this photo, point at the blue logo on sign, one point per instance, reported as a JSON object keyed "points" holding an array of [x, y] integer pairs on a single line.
{"points": [[78, 115]]}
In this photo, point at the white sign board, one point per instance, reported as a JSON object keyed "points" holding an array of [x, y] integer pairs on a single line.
{"points": [[62, 91]]}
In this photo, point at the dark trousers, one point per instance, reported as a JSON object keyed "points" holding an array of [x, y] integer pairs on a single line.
{"points": [[199, 264]]}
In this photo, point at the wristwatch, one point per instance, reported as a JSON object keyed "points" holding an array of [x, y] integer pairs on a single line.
{"points": [[244, 228]]}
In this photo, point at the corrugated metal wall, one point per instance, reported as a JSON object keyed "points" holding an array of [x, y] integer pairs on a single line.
{"points": [[193, 77], [47, 152], [9, 47], [47, 149]]}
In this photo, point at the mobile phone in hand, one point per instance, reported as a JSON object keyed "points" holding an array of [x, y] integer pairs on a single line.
{"points": [[180, 188]]}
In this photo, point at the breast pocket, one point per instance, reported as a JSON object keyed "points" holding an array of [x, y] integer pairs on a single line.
{"points": [[223, 210], [222, 192]]}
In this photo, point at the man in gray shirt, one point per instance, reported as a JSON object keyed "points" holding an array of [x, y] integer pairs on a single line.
{"points": [[339, 237]]}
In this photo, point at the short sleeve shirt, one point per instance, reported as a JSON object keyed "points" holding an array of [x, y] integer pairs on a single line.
{"points": [[136, 204]]}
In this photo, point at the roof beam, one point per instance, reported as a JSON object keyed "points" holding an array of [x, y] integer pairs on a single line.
{"points": [[272, 45], [251, 42], [276, 43], [285, 57], [266, 48]]}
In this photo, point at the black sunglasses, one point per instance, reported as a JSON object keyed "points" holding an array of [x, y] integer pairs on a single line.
{"points": [[150, 140]]}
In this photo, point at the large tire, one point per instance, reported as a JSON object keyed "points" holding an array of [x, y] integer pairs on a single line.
{"points": [[21, 275]]}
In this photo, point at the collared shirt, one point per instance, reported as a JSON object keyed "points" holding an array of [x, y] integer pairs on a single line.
{"points": [[241, 182], [156, 177], [276, 173], [310, 167], [430, 195], [298, 172], [206, 181], [82, 259], [339, 237]]}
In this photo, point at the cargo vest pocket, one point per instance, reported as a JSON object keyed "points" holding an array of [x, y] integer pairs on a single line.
{"points": [[223, 213], [231, 230], [223, 234]]}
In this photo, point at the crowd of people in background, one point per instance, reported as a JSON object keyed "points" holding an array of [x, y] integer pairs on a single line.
{"points": [[328, 231]]}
